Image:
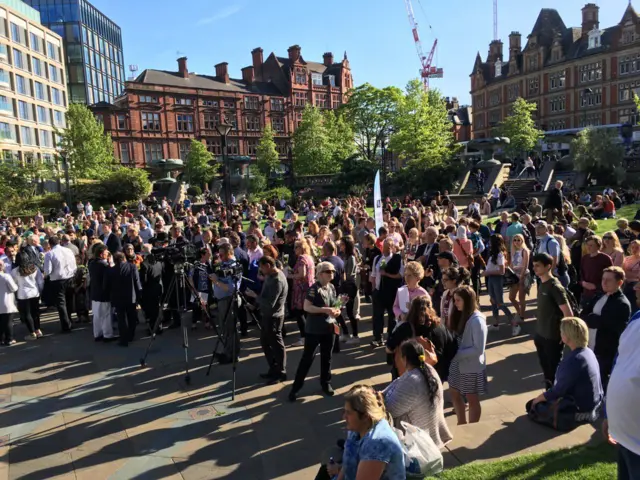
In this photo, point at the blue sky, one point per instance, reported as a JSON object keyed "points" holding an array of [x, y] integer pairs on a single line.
{"points": [[375, 33]]}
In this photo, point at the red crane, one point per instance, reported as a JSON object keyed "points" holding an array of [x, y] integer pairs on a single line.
{"points": [[427, 71]]}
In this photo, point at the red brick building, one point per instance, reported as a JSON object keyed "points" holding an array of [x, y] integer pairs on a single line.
{"points": [[577, 76], [461, 118], [160, 111]]}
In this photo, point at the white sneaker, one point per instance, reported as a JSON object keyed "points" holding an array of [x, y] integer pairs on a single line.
{"points": [[493, 328], [515, 330], [344, 338], [299, 343], [353, 341]]}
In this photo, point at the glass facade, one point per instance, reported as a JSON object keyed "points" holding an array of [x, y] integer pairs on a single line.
{"points": [[93, 48]]}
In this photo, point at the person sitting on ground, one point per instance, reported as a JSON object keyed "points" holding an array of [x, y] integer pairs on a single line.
{"points": [[416, 397], [576, 396]]}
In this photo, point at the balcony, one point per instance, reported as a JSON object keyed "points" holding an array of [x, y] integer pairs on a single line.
{"points": [[6, 109], [5, 80]]}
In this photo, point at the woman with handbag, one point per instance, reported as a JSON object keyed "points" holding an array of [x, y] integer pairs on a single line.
{"points": [[518, 291], [495, 273]]}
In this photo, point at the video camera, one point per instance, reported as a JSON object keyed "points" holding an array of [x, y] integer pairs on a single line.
{"points": [[233, 270], [177, 255]]}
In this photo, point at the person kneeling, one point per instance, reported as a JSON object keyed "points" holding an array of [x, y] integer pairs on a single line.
{"points": [[576, 396]]}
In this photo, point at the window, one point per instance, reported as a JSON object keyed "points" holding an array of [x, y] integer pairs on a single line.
{"points": [[557, 124], [18, 34], [210, 103], [556, 54], [99, 118], [231, 119], [629, 35], [277, 104], [301, 76], [594, 38], [25, 110], [184, 101], [184, 151], [3, 27], [124, 153], [251, 103], [36, 66], [300, 99], [35, 42], [58, 118], [45, 139], [627, 115], [498, 66], [18, 59], [337, 100], [252, 146], [150, 121], [629, 64], [53, 51], [184, 123], [232, 146], [7, 132], [591, 72], [152, 151], [122, 121], [332, 80], [626, 90], [148, 99], [478, 101], [534, 86], [513, 91], [591, 120], [56, 96], [591, 99], [322, 100], [316, 78], [556, 80], [494, 117], [253, 123], [478, 121], [495, 97], [281, 148], [558, 104], [228, 104], [214, 145], [533, 62], [278, 124], [53, 74], [44, 116], [211, 120], [26, 136]]}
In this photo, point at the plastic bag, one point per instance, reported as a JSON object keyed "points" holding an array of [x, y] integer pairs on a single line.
{"points": [[421, 455]]}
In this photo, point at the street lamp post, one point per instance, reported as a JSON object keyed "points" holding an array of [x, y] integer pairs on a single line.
{"points": [[65, 166], [224, 129]]}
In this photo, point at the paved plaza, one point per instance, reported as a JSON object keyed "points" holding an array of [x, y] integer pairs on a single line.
{"points": [[72, 408]]}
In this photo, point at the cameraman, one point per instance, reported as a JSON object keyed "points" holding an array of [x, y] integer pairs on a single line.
{"points": [[272, 300], [223, 289], [200, 276]]}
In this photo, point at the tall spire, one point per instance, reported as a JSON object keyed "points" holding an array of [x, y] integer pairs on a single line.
{"points": [[345, 52]]}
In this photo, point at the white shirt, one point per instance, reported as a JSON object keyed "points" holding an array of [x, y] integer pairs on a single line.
{"points": [[30, 286], [7, 297], [270, 233], [495, 192], [597, 309], [60, 264], [528, 163], [494, 267], [256, 254], [88, 209], [623, 392], [7, 263], [569, 232], [376, 270]]}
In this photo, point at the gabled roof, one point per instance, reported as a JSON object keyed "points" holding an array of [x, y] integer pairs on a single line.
{"points": [[314, 67], [547, 26]]}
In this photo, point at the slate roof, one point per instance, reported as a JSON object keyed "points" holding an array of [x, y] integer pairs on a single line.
{"points": [[314, 67]]}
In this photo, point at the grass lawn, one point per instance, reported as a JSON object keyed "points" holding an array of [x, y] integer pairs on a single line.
{"points": [[578, 463], [628, 212]]}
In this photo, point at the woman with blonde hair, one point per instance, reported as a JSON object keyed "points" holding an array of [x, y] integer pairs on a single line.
{"points": [[518, 291], [323, 236], [611, 246], [303, 276], [312, 229]]}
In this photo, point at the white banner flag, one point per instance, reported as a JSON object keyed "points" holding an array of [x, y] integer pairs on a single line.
{"points": [[377, 203]]}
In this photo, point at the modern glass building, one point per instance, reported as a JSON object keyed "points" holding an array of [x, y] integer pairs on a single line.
{"points": [[93, 47]]}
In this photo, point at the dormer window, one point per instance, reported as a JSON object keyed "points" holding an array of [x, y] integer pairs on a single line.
{"points": [[629, 35], [498, 68], [594, 38]]}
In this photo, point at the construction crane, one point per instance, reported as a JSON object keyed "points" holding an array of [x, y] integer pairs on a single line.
{"points": [[495, 19], [427, 71]]}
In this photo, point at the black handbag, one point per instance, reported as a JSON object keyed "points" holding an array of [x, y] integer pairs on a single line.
{"points": [[510, 277]]}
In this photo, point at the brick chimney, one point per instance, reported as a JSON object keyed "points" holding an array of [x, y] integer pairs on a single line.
{"points": [[222, 73], [182, 67], [248, 75], [294, 52], [589, 18], [258, 60], [495, 51], [328, 59], [515, 45]]}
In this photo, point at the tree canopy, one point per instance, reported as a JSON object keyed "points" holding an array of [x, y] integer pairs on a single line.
{"points": [[597, 151], [267, 158], [88, 150], [520, 128], [199, 167]]}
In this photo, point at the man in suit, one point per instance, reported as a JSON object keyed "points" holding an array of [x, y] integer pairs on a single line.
{"points": [[110, 239], [33, 250], [151, 273], [427, 255], [99, 294], [125, 289]]}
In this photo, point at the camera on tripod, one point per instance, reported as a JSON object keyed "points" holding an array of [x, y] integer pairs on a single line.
{"points": [[177, 255], [233, 270]]}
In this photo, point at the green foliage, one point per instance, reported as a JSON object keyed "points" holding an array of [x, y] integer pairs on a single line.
{"points": [[121, 186], [199, 167], [340, 137], [19, 181], [194, 191], [29, 206], [312, 146], [520, 128], [257, 180], [636, 100], [356, 171], [267, 155], [422, 131], [280, 192], [418, 178], [372, 113], [598, 152], [88, 150]]}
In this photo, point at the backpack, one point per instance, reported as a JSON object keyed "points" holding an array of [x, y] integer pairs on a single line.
{"points": [[528, 241], [562, 263]]}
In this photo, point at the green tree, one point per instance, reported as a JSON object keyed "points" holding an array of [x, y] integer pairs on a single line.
{"points": [[340, 137], [372, 112], [312, 147], [597, 151], [267, 156], [88, 150], [636, 100], [422, 133], [356, 172], [520, 128], [199, 167], [127, 184]]}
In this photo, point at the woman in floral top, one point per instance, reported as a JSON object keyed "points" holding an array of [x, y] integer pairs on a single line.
{"points": [[303, 277]]}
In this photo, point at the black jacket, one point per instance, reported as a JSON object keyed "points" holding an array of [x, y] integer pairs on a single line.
{"points": [[151, 272], [124, 284], [610, 324], [389, 286], [98, 281], [114, 244], [555, 199]]}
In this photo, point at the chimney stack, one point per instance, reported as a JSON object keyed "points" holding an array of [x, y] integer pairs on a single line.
{"points": [[589, 18], [222, 73], [495, 51], [258, 60], [515, 45], [248, 75], [294, 52], [182, 67], [328, 59]]}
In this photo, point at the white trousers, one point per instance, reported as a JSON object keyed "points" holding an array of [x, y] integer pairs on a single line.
{"points": [[102, 326]]}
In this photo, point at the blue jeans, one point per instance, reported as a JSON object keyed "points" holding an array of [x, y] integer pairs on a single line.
{"points": [[495, 285], [628, 464]]}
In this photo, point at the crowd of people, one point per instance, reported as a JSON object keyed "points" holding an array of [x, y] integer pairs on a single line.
{"points": [[422, 271]]}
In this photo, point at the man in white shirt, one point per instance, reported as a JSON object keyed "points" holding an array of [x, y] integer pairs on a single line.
{"points": [[60, 267], [88, 209], [253, 249], [495, 196]]}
